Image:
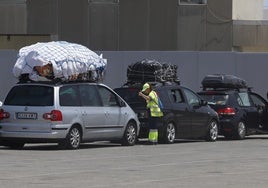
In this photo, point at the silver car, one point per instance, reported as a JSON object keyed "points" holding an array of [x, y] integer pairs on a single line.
{"points": [[67, 114]]}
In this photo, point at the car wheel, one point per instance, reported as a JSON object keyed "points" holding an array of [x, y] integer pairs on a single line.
{"points": [[72, 140], [240, 131], [169, 134], [130, 135], [212, 133]]}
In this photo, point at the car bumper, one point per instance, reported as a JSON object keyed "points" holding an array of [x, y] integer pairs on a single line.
{"points": [[55, 132], [227, 126]]}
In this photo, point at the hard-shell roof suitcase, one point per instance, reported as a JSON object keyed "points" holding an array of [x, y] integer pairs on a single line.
{"points": [[223, 81]]}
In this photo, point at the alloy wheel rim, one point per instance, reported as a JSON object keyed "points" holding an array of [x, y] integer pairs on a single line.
{"points": [[171, 132], [131, 134], [241, 129], [75, 137], [214, 131]]}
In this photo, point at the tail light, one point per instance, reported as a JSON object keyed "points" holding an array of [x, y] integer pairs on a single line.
{"points": [[3, 114], [54, 115], [226, 111]]}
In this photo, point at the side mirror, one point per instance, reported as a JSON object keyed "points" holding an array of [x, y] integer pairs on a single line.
{"points": [[203, 103]]}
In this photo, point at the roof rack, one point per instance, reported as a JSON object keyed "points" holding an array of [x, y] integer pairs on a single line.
{"points": [[153, 83], [56, 82], [225, 88], [24, 78]]}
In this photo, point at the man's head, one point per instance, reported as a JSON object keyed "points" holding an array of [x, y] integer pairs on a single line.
{"points": [[146, 88]]}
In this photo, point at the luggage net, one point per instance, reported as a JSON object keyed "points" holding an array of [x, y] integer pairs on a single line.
{"points": [[151, 71], [58, 60]]}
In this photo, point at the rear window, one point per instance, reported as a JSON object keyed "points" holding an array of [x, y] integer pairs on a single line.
{"points": [[215, 99], [30, 95], [130, 95]]}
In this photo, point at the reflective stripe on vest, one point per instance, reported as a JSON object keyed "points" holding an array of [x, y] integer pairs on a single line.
{"points": [[153, 105]]}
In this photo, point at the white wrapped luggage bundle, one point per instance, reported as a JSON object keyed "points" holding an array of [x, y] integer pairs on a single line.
{"points": [[59, 60]]}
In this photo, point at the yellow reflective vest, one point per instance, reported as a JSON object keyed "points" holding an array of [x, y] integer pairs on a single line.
{"points": [[152, 104]]}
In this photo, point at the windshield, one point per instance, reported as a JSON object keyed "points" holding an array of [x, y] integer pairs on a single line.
{"points": [[130, 95], [215, 99], [30, 95]]}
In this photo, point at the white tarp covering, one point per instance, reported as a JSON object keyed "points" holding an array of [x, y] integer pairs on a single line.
{"points": [[67, 60]]}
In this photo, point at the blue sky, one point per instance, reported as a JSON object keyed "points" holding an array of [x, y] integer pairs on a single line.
{"points": [[266, 3]]}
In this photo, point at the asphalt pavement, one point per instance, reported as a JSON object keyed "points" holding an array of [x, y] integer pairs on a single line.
{"points": [[184, 164]]}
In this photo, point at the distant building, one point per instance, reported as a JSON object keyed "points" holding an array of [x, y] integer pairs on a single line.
{"points": [[137, 25]]}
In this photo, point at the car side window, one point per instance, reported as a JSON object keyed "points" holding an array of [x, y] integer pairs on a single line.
{"points": [[108, 98], [69, 96], [192, 98], [258, 101], [175, 95], [243, 99], [89, 95]]}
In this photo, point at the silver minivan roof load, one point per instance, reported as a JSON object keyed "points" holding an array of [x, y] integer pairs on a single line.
{"points": [[46, 61]]}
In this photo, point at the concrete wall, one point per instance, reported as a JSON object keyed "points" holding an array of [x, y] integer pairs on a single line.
{"points": [[219, 25], [250, 35], [13, 17], [192, 28], [134, 25], [248, 9], [192, 67]]}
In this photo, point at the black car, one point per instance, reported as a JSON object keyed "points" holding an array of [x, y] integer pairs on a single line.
{"points": [[186, 115], [241, 111]]}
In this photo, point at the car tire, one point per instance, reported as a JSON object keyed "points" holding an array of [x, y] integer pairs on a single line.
{"points": [[213, 131], [130, 135], [72, 140], [240, 132], [169, 134]]}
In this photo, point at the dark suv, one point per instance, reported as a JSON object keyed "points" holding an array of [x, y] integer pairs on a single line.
{"points": [[186, 115], [241, 112]]}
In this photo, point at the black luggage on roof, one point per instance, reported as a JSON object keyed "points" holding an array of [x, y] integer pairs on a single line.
{"points": [[223, 81], [151, 71]]}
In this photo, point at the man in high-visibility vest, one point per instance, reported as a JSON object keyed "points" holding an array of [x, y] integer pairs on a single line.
{"points": [[155, 112]]}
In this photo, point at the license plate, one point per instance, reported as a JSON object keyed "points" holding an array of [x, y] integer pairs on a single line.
{"points": [[23, 115]]}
